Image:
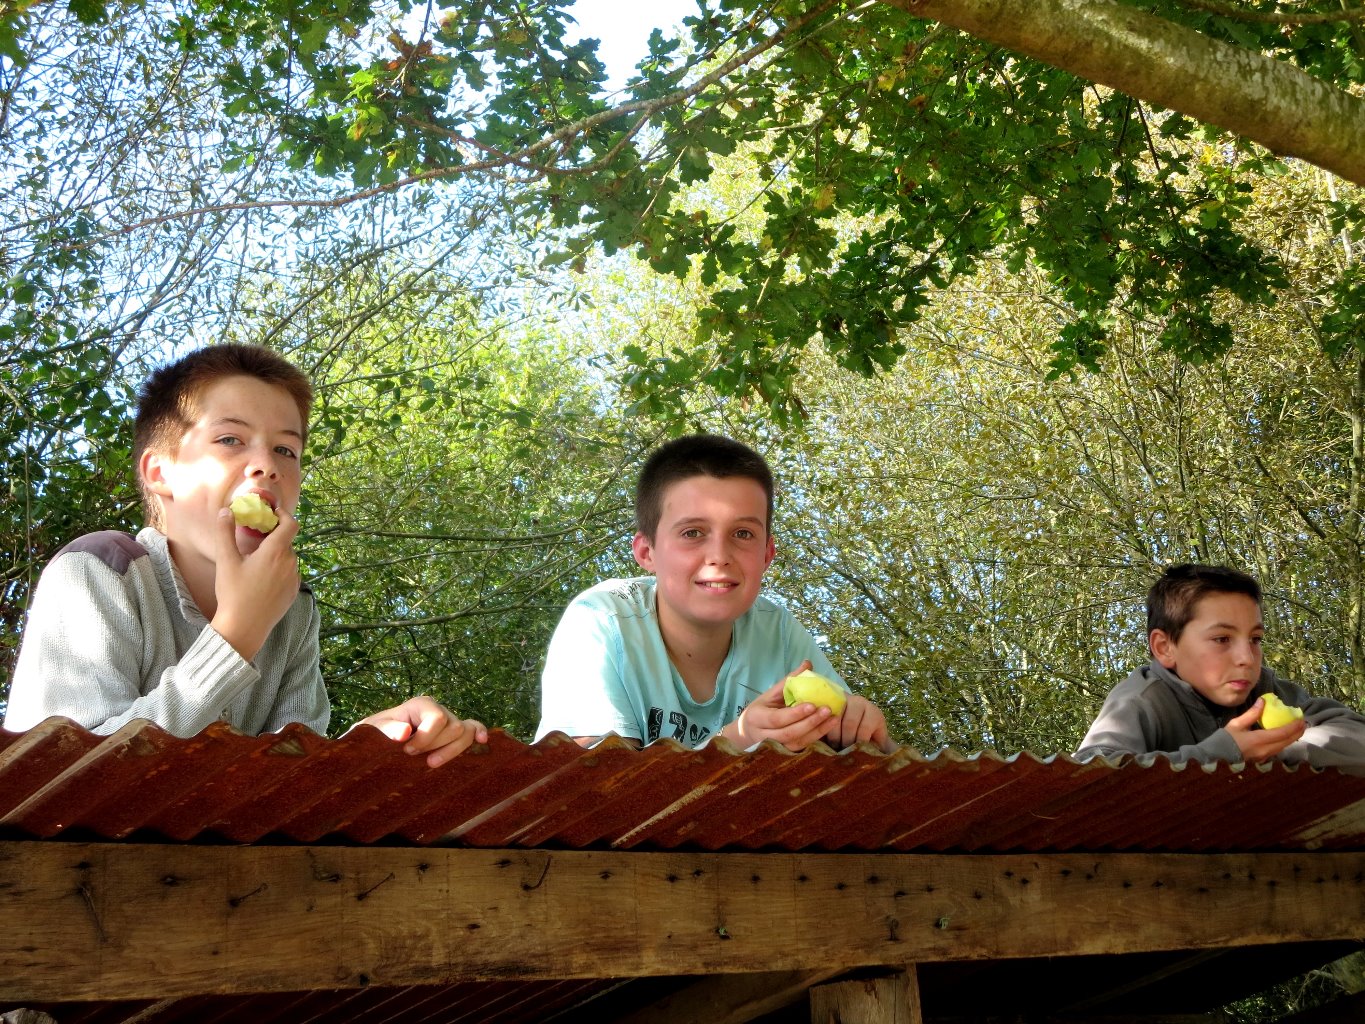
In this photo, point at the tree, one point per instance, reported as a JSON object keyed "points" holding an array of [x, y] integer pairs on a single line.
{"points": [[898, 151]]}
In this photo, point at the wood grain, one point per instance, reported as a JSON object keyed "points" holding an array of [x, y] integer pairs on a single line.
{"points": [[126, 921]]}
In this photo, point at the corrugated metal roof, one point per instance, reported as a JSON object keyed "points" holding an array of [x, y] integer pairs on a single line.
{"points": [[58, 780]]}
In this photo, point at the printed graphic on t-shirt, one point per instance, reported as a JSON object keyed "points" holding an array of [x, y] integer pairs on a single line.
{"points": [[679, 728]]}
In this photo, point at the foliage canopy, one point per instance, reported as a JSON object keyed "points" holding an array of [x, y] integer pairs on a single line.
{"points": [[894, 151]]}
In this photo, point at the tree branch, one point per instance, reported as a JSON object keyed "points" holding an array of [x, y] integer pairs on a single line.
{"points": [[1267, 101]]}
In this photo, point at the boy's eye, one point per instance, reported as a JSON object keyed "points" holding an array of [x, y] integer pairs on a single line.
{"points": [[229, 440], [286, 451], [744, 534], [691, 534]]}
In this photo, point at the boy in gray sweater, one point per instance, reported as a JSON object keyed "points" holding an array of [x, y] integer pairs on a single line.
{"points": [[1201, 696], [201, 618]]}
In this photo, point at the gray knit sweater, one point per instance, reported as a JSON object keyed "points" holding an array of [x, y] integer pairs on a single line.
{"points": [[113, 635], [1155, 711]]}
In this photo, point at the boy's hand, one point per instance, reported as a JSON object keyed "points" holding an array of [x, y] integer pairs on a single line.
{"points": [[428, 727], [861, 722], [1259, 745], [253, 591], [768, 718]]}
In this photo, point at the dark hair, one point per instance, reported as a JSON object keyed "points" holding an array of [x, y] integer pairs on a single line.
{"points": [[695, 455], [166, 405], [1171, 601]]}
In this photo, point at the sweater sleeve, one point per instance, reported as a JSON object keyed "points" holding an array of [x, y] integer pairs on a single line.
{"points": [[99, 648], [303, 695], [1335, 736]]}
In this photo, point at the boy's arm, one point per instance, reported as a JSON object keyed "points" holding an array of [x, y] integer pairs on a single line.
{"points": [[862, 721], [302, 696], [1335, 734], [425, 727], [91, 631], [582, 688], [253, 592], [767, 717]]}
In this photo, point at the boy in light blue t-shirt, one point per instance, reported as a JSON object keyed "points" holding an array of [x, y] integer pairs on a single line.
{"points": [[693, 651]]}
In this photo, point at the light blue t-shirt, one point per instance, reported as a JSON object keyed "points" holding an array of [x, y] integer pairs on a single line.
{"points": [[607, 670]]}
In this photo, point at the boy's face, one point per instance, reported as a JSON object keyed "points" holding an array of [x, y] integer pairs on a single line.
{"points": [[247, 436], [1219, 652], [709, 551]]}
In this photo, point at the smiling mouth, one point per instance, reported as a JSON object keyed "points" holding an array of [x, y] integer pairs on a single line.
{"points": [[716, 585]]}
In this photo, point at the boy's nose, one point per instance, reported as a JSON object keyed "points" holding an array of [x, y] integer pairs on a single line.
{"points": [[263, 465], [718, 553]]}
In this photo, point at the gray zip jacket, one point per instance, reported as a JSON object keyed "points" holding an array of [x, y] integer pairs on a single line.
{"points": [[1154, 711]]}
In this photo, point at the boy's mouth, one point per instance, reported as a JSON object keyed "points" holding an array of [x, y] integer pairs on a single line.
{"points": [[266, 497], [716, 584]]}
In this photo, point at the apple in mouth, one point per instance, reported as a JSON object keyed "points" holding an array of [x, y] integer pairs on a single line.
{"points": [[251, 511]]}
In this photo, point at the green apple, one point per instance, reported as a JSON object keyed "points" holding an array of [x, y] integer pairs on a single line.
{"points": [[1276, 713], [812, 688], [251, 511]]}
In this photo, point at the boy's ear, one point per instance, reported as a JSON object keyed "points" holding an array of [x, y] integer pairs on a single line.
{"points": [[151, 470], [643, 549], [1162, 648], [770, 553]]}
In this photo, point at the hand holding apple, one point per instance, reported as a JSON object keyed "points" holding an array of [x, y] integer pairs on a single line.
{"points": [[1276, 713], [812, 688]]}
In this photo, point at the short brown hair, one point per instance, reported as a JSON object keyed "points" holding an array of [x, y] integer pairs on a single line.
{"points": [[695, 455], [166, 404], [1172, 599]]}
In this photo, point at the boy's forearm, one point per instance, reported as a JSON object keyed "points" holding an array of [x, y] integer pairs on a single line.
{"points": [[242, 634]]}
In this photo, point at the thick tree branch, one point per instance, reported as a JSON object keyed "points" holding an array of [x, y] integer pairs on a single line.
{"points": [[1267, 101]]}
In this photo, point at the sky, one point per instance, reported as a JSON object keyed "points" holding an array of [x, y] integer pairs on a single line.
{"points": [[623, 27]]}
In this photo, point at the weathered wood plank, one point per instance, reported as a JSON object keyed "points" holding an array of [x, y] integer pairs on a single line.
{"points": [[889, 999], [124, 921]]}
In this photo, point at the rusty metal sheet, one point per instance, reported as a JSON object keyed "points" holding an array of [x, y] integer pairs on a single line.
{"points": [[58, 780]]}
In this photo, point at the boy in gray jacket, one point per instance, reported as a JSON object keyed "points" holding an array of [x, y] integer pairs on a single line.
{"points": [[1201, 696], [201, 618]]}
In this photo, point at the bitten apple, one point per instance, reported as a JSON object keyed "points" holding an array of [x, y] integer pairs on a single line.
{"points": [[251, 511], [1277, 713], [812, 688]]}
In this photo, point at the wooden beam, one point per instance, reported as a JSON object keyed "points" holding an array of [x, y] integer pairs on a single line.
{"points": [[122, 921], [885, 999]]}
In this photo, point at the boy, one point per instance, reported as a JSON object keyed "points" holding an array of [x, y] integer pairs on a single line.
{"points": [[692, 651], [1200, 697], [200, 619]]}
